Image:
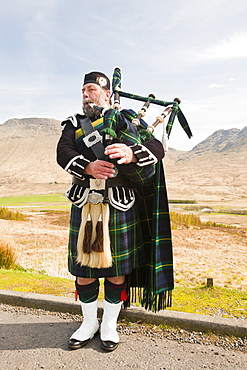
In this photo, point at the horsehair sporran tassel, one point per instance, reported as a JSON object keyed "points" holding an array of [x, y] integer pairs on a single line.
{"points": [[106, 255], [81, 255], [97, 244], [87, 237], [95, 212], [103, 259], [97, 254]]}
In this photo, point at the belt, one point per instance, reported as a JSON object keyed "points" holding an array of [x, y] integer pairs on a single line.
{"points": [[119, 180]]}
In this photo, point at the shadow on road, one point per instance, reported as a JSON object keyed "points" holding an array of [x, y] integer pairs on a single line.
{"points": [[44, 335]]}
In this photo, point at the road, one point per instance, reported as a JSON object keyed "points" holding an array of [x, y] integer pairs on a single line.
{"points": [[32, 339]]}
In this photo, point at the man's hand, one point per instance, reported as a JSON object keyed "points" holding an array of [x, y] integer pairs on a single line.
{"points": [[100, 169], [121, 151]]}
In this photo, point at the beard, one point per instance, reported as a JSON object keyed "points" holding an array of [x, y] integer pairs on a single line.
{"points": [[92, 112]]}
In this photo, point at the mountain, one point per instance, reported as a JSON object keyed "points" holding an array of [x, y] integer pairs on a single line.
{"points": [[223, 141], [28, 156], [215, 169], [26, 127]]}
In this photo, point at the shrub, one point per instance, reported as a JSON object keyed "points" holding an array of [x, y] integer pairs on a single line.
{"points": [[184, 220], [6, 214], [7, 256], [188, 220]]}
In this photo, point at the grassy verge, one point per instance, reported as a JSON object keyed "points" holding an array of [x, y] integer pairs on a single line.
{"points": [[201, 300], [27, 281], [35, 282], [210, 301]]}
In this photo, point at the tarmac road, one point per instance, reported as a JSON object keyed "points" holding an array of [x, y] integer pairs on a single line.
{"points": [[31, 339]]}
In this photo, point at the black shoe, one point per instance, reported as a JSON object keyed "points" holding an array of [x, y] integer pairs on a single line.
{"points": [[108, 345], [76, 344]]}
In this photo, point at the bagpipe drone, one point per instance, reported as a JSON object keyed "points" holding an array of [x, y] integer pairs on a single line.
{"points": [[172, 108]]}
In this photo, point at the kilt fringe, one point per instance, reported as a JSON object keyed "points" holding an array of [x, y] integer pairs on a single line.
{"points": [[149, 300]]}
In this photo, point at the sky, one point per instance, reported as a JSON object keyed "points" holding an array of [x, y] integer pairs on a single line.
{"points": [[195, 50]]}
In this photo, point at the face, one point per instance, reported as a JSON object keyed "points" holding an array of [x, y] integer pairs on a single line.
{"points": [[93, 93]]}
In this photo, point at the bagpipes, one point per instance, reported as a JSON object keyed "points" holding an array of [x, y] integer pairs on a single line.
{"points": [[171, 108], [93, 239]]}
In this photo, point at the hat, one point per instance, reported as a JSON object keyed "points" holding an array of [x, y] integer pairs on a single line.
{"points": [[97, 78]]}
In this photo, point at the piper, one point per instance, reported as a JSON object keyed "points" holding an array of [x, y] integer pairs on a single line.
{"points": [[127, 239]]}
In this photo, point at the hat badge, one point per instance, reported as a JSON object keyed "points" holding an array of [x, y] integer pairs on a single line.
{"points": [[102, 81]]}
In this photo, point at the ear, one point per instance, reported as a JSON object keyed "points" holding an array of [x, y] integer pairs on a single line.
{"points": [[107, 95]]}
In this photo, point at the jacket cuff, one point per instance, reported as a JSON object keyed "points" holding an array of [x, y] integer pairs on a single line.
{"points": [[76, 166], [144, 156]]}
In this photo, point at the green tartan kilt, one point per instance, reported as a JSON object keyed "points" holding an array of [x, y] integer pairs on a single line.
{"points": [[126, 244]]}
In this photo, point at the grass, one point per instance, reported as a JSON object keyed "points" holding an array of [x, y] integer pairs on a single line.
{"points": [[216, 210], [201, 300], [37, 282], [187, 220], [210, 301], [27, 199], [7, 256], [62, 216], [54, 201], [196, 208], [6, 214], [182, 201], [235, 212]]}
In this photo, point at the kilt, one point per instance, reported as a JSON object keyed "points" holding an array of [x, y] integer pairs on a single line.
{"points": [[127, 245], [140, 237]]}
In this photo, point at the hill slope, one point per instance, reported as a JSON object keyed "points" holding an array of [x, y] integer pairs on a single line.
{"points": [[215, 169], [28, 155], [223, 141]]}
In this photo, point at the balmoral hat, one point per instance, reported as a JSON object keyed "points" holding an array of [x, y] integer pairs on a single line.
{"points": [[97, 78]]}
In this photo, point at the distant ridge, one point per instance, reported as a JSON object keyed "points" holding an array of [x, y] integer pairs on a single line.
{"points": [[24, 127], [216, 168], [222, 141], [28, 156]]}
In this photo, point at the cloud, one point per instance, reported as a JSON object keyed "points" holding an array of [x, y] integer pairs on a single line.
{"points": [[215, 85], [219, 85], [231, 47]]}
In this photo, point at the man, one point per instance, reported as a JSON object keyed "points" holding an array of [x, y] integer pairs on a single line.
{"points": [[112, 220]]}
